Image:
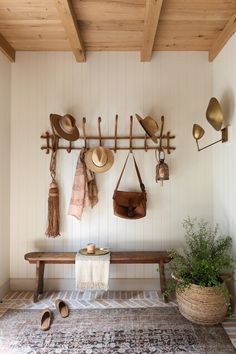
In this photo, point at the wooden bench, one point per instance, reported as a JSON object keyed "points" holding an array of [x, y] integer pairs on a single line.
{"points": [[146, 257]]}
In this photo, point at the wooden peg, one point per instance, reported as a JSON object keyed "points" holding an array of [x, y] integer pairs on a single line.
{"points": [[47, 136], [145, 143], [130, 134], [99, 130], [69, 148], [161, 133], [168, 148], [116, 124], [84, 133]]}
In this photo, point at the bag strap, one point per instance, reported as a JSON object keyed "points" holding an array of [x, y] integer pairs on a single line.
{"points": [[142, 186]]}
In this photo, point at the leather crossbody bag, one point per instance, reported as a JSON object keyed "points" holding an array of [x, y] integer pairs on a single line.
{"points": [[130, 205]]}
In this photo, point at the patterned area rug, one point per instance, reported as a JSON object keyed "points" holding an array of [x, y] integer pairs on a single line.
{"points": [[106, 331]]}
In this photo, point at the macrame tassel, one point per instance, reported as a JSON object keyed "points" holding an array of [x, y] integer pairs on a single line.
{"points": [[53, 229]]}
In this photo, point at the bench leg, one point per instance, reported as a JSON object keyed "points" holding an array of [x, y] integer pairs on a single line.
{"points": [[162, 279], [39, 280]]}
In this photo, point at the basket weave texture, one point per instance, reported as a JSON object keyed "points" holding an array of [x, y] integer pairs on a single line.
{"points": [[202, 305]]}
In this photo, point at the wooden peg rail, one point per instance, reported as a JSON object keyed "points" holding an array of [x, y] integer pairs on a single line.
{"points": [[167, 138]]}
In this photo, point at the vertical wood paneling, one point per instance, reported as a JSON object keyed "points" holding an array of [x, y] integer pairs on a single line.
{"points": [[177, 85], [224, 157], [5, 105]]}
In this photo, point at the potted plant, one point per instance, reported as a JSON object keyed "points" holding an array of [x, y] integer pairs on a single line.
{"points": [[198, 269]]}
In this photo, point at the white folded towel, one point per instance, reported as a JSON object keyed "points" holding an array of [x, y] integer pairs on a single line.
{"points": [[92, 272]]}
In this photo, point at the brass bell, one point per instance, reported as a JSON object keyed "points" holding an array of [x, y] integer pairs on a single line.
{"points": [[162, 169]]}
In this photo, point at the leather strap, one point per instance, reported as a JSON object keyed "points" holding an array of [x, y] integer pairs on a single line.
{"points": [[142, 186]]}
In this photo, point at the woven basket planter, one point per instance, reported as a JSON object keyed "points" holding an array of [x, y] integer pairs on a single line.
{"points": [[202, 305]]}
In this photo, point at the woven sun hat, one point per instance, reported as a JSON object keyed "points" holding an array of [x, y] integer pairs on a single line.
{"points": [[149, 125], [99, 159], [65, 126]]}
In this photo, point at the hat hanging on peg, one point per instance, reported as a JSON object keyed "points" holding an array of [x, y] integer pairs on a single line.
{"points": [[64, 126], [150, 126]]}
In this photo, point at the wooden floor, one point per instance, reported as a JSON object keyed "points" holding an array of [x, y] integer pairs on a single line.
{"points": [[99, 299]]}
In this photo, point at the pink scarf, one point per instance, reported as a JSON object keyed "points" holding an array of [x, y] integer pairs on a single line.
{"points": [[84, 191]]}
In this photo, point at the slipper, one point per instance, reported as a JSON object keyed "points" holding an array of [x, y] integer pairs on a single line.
{"points": [[46, 319], [62, 308]]}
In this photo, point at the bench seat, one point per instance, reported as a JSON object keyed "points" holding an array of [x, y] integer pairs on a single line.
{"points": [[124, 257]]}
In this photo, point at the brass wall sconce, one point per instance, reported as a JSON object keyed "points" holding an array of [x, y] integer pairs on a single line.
{"points": [[215, 117]]}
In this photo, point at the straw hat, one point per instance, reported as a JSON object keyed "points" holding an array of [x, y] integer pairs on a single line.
{"points": [[99, 159], [65, 126], [149, 125]]}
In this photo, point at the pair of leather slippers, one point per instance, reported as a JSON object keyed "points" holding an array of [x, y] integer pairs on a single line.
{"points": [[46, 317]]}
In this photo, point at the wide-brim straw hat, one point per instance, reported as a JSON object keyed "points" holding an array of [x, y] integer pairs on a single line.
{"points": [[149, 125], [99, 159], [65, 126]]}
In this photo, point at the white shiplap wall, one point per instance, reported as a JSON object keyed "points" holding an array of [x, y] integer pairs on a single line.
{"points": [[177, 85], [224, 157], [5, 96]]}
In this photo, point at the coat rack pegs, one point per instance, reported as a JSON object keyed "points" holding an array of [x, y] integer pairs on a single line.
{"points": [[130, 134], [99, 131], [84, 133], [164, 139], [115, 140]]}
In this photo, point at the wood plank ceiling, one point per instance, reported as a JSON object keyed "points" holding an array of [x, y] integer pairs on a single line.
{"points": [[117, 25]]}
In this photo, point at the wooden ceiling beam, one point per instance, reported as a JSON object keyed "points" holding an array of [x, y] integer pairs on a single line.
{"points": [[69, 21], [223, 37], [152, 15], [7, 49]]}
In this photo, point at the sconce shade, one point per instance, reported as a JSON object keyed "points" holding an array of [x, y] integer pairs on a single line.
{"points": [[198, 131], [214, 114]]}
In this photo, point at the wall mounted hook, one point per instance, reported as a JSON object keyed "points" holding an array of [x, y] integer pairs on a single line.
{"points": [[84, 133], [99, 131], [116, 127], [161, 133], [130, 134]]}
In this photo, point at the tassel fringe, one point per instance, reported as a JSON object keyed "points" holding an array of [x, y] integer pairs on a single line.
{"points": [[53, 229]]}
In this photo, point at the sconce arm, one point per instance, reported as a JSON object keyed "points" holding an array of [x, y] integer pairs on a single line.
{"points": [[224, 138]]}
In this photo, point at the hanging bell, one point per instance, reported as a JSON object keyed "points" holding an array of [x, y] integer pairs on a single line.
{"points": [[162, 169]]}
